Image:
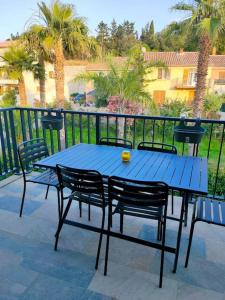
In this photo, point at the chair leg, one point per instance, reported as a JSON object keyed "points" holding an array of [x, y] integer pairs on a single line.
{"points": [[172, 203], [89, 212], [107, 247], [23, 197], [61, 221], [121, 222], [80, 208], [162, 253], [100, 238], [60, 205], [46, 195], [189, 243]]}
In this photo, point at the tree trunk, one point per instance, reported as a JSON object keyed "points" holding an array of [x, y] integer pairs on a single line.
{"points": [[202, 70], [42, 84], [22, 92], [59, 73], [121, 121]]}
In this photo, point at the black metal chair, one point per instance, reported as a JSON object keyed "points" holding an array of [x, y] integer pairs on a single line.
{"points": [[116, 142], [108, 142], [85, 186], [28, 153], [135, 198], [159, 147], [206, 210]]}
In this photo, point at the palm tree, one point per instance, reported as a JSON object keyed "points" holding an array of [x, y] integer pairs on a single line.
{"points": [[208, 17], [123, 81], [64, 34], [33, 41], [17, 61]]}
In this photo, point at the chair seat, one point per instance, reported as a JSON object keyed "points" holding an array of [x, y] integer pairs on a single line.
{"points": [[210, 211], [48, 177], [92, 199]]}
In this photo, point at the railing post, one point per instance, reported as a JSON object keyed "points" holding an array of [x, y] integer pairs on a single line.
{"points": [[98, 129], [14, 141]]}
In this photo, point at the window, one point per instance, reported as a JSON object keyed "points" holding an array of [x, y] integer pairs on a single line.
{"points": [[163, 73], [192, 79], [222, 75]]}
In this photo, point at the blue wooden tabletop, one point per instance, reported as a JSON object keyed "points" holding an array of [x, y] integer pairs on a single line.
{"points": [[183, 173]]}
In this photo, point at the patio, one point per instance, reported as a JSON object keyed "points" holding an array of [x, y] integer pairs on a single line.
{"points": [[31, 269]]}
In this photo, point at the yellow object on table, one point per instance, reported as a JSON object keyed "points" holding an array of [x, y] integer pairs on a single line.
{"points": [[126, 155]]}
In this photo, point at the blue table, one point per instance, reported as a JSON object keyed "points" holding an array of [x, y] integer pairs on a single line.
{"points": [[182, 173]]}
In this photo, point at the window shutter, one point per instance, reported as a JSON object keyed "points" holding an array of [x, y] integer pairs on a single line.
{"points": [[185, 76], [222, 75]]}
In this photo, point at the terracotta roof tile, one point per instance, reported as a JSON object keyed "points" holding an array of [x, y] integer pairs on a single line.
{"points": [[188, 59], [5, 44]]}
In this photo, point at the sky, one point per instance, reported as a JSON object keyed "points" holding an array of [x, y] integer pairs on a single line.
{"points": [[16, 13]]}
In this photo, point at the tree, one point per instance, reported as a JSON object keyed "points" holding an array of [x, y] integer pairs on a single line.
{"points": [[148, 35], [17, 61], [103, 37], [122, 38], [208, 18], [65, 35], [33, 40]]}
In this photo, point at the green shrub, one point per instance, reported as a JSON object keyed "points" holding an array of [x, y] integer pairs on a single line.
{"points": [[174, 108], [9, 99], [212, 105], [101, 101]]}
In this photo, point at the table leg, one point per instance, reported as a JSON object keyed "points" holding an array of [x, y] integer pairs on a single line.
{"points": [[179, 232], [186, 201]]}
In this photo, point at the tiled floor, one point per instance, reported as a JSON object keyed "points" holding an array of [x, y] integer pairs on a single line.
{"points": [[31, 269]]}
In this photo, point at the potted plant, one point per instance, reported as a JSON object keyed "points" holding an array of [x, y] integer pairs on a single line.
{"points": [[189, 133], [54, 122]]}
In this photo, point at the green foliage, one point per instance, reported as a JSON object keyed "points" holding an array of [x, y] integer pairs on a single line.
{"points": [[8, 99], [18, 60], [174, 108], [100, 101], [220, 187], [206, 17], [122, 80], [116, 39], [213, 102], [148, 36], [58, 23]]}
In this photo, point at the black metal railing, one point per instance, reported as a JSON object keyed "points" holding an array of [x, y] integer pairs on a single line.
{"points": [[21, 124]]}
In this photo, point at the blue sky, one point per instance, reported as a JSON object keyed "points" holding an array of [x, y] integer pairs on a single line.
{"points": [[15, 13]]}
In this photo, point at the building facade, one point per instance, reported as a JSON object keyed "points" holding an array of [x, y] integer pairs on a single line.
{"points": [[178, 79]]}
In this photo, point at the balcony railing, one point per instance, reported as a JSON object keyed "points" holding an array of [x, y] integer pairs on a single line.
{"points": [[21, 124]]}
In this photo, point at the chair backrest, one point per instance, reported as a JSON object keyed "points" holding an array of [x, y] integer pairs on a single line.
{"points": [[157, 147], [116, 142], [80, 180], [31, 151], [138, 193]]}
